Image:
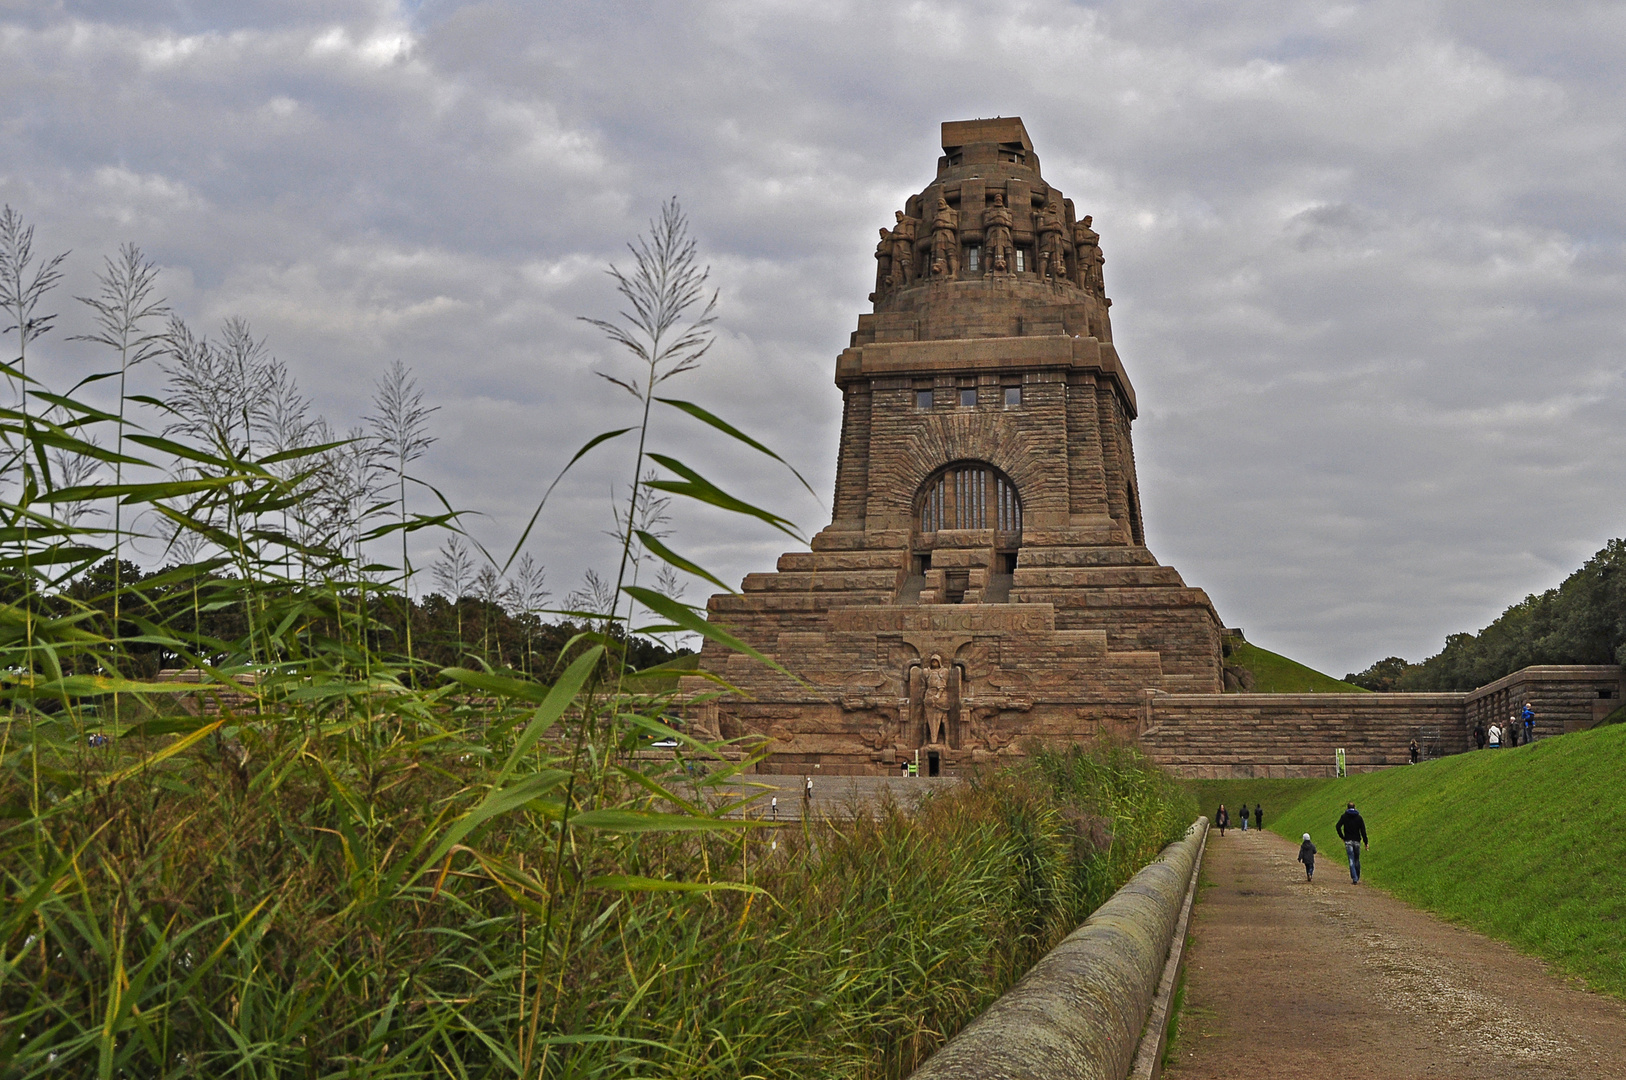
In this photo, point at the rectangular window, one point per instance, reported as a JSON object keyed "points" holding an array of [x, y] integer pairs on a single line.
{"points": [[973, 259], [1013, 397], [968, 397], [1021, 260], [923, 399]]}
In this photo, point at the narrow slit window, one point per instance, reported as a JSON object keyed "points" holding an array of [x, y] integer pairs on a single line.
{"points": [[973, 259]]}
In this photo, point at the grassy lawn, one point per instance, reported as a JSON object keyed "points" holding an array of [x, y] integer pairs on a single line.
{"points": [[1276, 674], [1525, 845]]}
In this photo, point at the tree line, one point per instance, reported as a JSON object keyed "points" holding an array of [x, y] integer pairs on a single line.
{"points": [[1582, 621]]}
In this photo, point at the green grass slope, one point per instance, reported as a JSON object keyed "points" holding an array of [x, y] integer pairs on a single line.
{"points": [[1525, 845], [1276, 674]]}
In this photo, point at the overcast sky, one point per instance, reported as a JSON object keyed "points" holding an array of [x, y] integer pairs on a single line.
{"points": [[1367, 259]]}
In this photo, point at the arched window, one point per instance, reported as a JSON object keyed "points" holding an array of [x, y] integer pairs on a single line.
{"points": [[970, 495]]}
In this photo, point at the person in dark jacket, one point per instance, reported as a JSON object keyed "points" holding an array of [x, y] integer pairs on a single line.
{"points": [[1244, 817], [1222, 818], [1479, 735], [1414, 751], [1258, 816], [1307, 857], [1351, 829]]}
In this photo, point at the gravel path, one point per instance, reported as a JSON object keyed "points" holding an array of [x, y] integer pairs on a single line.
{"points": [[1289, 980]]}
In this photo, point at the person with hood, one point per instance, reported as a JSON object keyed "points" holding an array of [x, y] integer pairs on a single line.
{"points": [[1222, 818], [1351, 829], [1307, 857]]}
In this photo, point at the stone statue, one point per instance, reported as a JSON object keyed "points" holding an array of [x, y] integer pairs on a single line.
{"points": [[1087, 256], [945, 240], [1052, 253], [903, 249], [996, 235], [936, 699], [883, 266]]}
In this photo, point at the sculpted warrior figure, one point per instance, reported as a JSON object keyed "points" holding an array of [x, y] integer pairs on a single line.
{"points": [[996, 235], [903, 249], [883, 265], [946, 240], [1087, 254], [1052, 255], [936, 699]]}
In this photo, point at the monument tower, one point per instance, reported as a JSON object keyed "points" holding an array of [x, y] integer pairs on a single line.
{"points": [[985, 576]]}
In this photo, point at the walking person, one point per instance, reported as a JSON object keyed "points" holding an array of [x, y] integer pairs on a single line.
{"points": [[1414, 751], [1222, 818], [1258, 816], [1244, 817], [1307, 857], [773, 808], [1351, 829], [1494, 736]]}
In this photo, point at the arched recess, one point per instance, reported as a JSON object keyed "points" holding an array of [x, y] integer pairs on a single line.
{"points": [[968, 495]]}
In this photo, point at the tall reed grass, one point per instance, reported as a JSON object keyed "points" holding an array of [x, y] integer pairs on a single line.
{"points": [[200, 919]]}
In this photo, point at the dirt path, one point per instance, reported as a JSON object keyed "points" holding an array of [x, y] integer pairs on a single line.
{"points": [[1288, 980]]}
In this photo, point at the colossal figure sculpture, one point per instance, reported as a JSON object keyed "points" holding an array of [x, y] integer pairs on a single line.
{"points": [[984, 578], [1052, 257], [996, 235], [883, 266], [903, 249], [1088, 258], [945, 241]]}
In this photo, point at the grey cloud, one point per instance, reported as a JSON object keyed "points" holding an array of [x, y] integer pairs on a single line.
{"points": [[1367, 259]]}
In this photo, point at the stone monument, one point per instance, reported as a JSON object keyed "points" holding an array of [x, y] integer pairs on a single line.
{"points": [[985, 577]]}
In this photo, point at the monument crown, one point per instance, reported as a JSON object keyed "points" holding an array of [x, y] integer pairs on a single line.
{"points": [[987, 243]]}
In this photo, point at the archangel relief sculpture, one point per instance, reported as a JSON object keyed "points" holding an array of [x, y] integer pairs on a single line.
{"points": [[945, 241], [935, 690], [996, 235]]}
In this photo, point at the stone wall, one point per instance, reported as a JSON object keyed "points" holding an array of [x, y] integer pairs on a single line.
{"points": [[1080, 1012], [1564, 698]]}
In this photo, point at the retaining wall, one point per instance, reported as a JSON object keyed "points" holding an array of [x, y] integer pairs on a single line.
{"points": [[1218, 736], [1079, 1014]]}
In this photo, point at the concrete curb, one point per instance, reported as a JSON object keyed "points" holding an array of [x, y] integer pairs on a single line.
{"points": [[1079, 1014], [1148, 1063]]}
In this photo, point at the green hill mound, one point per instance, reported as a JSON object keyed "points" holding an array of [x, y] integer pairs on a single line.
{"points": [[1276, 674], [1525, 845]]}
